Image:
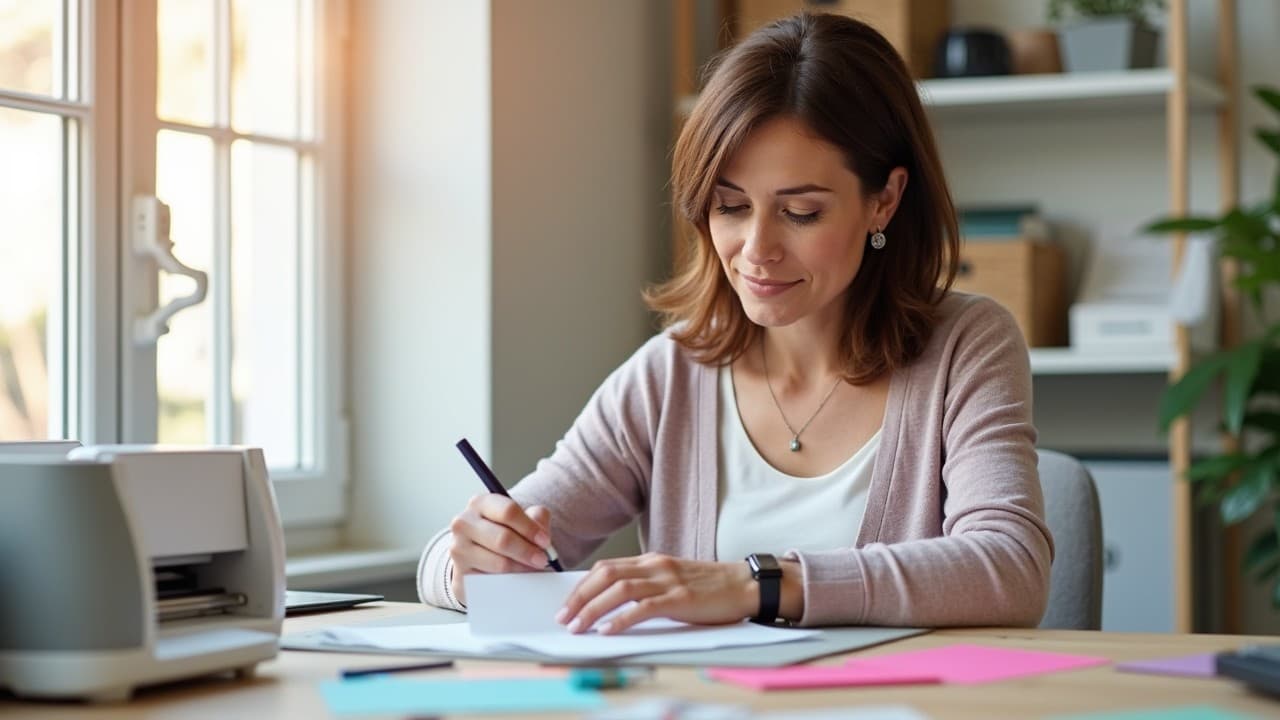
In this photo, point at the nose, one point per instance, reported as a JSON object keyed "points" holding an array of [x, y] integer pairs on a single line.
{"points": [[761, 244]]}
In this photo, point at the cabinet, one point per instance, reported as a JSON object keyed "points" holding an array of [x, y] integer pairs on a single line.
{"points": [[970, 116]]}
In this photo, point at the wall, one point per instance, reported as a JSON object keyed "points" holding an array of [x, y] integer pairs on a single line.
{"points": [[580, 128], [508, 169], [420, 251]]}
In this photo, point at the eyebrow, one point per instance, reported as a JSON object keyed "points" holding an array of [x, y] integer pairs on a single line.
{"points": [[797, 190]]}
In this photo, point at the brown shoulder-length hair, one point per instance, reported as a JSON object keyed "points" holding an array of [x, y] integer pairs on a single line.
{"points": [[850, 87]]}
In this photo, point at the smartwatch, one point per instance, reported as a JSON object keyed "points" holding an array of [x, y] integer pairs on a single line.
{"points": [[768, 574]]}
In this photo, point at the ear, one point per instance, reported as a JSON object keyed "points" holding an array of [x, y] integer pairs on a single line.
{"points": [[885, 203]]}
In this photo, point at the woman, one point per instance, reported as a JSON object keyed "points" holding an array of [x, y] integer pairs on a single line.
{"points": [[818, 392]]}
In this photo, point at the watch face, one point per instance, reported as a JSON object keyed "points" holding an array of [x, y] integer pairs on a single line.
{"points": [[764, 565]]}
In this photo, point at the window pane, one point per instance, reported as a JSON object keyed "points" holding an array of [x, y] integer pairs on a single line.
{"points": [[184, 90], [31, 201], [265, 314], [31, 46], [184, 370], [265, 68]]}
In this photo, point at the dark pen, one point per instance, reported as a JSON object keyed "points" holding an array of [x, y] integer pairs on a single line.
{"points": [[491, 482], [361, 672]]}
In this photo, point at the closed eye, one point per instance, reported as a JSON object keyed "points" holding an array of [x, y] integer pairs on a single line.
{"points": [[724, 209], [802, 218]]}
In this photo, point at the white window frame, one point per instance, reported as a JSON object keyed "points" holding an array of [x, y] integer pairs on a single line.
{"points": [[306, 498], [82, 352]]}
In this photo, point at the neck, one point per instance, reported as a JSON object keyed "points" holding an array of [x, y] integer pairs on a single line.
{"points": [[803, 354]]}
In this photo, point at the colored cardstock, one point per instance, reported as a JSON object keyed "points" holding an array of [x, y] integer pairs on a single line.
{"points": [[977, 664], [1199, 665], [799, 677], [383, 695]]}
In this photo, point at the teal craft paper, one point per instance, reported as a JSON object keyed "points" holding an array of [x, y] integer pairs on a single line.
{"points": [[384, 695], [1189, 712]]}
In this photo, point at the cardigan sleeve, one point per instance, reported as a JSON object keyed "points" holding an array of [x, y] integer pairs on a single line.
{"points": [[596, 480], [990, 566]]}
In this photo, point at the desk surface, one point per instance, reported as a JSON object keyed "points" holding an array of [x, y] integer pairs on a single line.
{"points": [[287, 686]]}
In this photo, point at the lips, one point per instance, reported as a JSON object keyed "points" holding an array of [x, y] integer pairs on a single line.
{"points": [[764, 287]]}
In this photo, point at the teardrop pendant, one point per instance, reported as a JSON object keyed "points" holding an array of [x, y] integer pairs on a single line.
{"points": [[795, 444]]}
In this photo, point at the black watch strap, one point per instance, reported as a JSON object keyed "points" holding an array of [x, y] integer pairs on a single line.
{"points": [[768, 575]]}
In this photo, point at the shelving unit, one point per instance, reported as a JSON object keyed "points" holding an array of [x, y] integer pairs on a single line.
{"points": [[1130, 90], [1072, 361], [1173, 91]]}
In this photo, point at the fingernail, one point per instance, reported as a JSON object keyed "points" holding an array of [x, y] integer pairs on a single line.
{"points": [[562, 614], [604, 628], [573, 626], [542, 539]]}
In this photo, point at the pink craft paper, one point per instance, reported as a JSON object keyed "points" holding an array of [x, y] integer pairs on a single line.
{"points": [[977, 664], [1200, 665], [816, 676]]}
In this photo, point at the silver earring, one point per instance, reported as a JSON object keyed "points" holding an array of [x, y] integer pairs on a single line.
{"points": [[878, 240]]}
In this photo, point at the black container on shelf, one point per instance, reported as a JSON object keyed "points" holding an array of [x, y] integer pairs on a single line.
{"points": [[972, 52]]}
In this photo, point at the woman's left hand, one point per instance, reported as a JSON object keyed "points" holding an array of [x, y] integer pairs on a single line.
{"points": [[692, 591]]}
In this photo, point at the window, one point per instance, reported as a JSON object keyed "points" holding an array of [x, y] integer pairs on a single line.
{"points": [[227, 114]]}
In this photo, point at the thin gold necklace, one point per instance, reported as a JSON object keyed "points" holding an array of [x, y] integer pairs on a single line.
{"points": [[795, 434]]}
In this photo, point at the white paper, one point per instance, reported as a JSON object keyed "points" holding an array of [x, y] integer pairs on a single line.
{"points": [[517, 603], [518, 612]]}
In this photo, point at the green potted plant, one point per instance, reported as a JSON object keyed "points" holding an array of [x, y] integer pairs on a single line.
{"points": [[1106, 34], [1243, 481]]}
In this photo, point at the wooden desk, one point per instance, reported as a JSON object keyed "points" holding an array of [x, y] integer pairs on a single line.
{"points": [[287, 686]]}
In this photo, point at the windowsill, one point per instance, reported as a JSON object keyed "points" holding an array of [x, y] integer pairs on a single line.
{"points": [[338, 567]]}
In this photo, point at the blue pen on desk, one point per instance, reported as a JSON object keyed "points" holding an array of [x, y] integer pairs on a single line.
{"points": [[491, 482]]}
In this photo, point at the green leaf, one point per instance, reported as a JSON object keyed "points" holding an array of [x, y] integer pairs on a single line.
{"points": [[1183, 395], [1243, 500], [1218, 467], [1187, 224], [1270, 138], [1268, 96], [1245, 226], [1264, 548], [1241, 370]]}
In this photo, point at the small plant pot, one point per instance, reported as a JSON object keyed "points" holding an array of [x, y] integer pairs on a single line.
{"points": [[1117, 43]]}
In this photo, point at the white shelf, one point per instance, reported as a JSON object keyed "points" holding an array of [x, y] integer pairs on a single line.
{"points": [[1071, 361], [1121, 90], [1128, 89]]}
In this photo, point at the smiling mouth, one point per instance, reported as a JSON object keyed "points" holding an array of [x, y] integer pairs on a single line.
{"points": [[766, 288]]}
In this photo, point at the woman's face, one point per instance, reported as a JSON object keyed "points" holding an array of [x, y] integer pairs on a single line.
{"points": [[789, 221]]}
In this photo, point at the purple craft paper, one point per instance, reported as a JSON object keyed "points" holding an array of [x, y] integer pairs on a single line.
{"points": [[1200, 665]]}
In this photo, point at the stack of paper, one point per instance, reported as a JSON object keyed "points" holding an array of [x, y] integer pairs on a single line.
{"points": [[518, 612]]}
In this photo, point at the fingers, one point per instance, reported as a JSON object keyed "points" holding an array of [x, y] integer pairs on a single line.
{"points": [[484, 530], [657, 605], [505, 511], [541, 516], [609, 584], [642, 593]]}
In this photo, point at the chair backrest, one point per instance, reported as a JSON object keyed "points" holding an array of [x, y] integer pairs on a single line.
{"points": [[1075, 519]]}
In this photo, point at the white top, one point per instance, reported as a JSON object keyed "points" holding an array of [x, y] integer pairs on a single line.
{"points": [[762, 509]]}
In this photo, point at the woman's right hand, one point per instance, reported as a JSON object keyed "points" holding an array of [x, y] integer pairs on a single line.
{"points": [[494, 535]]}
